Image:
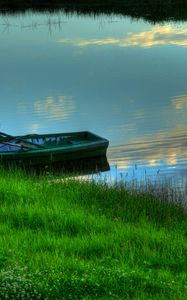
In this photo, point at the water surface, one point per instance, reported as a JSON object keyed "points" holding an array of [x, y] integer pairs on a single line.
{"points": [[122, 78]]}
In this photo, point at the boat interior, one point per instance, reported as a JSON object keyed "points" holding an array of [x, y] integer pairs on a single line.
{"points": [[36, 142]]}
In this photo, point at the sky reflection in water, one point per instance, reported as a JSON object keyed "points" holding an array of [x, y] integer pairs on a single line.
{"points": [[121, 78]]}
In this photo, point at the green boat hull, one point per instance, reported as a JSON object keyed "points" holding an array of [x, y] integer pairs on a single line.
{"points": [[52, 148]]}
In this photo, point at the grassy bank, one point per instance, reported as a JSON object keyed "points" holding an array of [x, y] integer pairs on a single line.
{"points": [[75, 240]]}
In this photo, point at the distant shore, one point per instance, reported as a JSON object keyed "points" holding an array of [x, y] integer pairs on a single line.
{"points": [[156, 10]]}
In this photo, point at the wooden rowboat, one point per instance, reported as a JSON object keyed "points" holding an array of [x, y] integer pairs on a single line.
{"points": [[44, 149]]}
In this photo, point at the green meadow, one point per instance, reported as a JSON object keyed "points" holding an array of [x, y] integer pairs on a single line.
{"points": [[65, 239]]}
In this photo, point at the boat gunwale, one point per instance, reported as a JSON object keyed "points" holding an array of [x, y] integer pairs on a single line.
{"points": [[90, 144]]}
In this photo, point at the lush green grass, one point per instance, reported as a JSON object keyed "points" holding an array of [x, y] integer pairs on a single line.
{"points": [[72, 240]]}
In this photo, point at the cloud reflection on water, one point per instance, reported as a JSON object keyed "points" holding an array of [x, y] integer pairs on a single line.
{"points": [[157, 35], [51, 108], [34, 127], [163, 149], [180, 102]]}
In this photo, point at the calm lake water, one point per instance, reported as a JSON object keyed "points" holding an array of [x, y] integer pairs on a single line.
{"points": [[122, 78]]}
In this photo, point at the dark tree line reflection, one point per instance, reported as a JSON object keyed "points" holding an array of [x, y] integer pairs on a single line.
{"points": [[153, 11]]}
